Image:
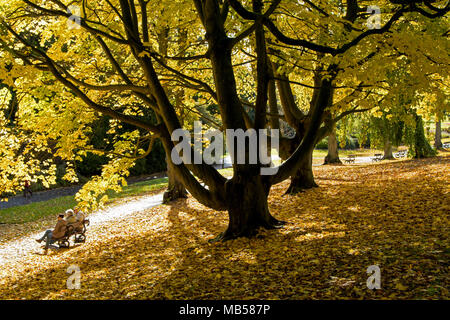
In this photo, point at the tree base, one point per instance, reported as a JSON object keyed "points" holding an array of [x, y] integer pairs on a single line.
{"points": [[424, 156], [301, 183], [174, 194], [248, 209], [295, 189], [332, 161], [247, 232]]}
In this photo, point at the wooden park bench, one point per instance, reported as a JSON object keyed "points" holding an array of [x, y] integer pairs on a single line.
{"points": [[401, 154], [76, 230], [377, 157], [350, 158]]}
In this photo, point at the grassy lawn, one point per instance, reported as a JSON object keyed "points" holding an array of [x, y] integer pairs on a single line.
{"points": [[139, 188], [36, 211]]}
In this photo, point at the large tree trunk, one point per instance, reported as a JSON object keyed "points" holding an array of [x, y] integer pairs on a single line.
{"points": [[247, 207], [388, 150], [175, 189], [304, 178], [438, 135], [333, 153]]}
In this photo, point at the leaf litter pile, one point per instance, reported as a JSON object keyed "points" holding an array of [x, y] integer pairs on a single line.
{"points": [[393, 215]]}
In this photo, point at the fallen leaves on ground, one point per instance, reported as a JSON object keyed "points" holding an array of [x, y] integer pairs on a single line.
{"points": [[394, 215]]}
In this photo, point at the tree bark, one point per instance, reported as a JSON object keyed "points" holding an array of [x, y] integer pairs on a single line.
{"points": [[438, 135], [388, 150], [273, 105], [245, 194], [175, 189], [333, 153], [247, 207], [303, 178]]}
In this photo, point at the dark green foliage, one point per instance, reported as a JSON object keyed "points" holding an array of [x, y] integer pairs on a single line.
{"points": [[419, 147], [154, 162], [323, 144], [351, 143], [92, 163], [388, 127]]}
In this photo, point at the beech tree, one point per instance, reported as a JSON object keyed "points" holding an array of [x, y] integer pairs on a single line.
{"points": [[438, 135], [115, 65], [333, 152]]}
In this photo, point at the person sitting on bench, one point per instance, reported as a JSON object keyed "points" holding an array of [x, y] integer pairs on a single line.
{"points": [[79, 215], [51, 236], [70, 217], [75, 217]]}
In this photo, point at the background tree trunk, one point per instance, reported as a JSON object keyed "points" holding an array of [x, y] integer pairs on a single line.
{"points": [[333, 153], [388, 150], [438, 135], [304, 178], [274, 121], [175, 189]]}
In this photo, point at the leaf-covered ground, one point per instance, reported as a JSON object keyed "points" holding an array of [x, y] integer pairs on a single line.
{"points": [[394, 215]]}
